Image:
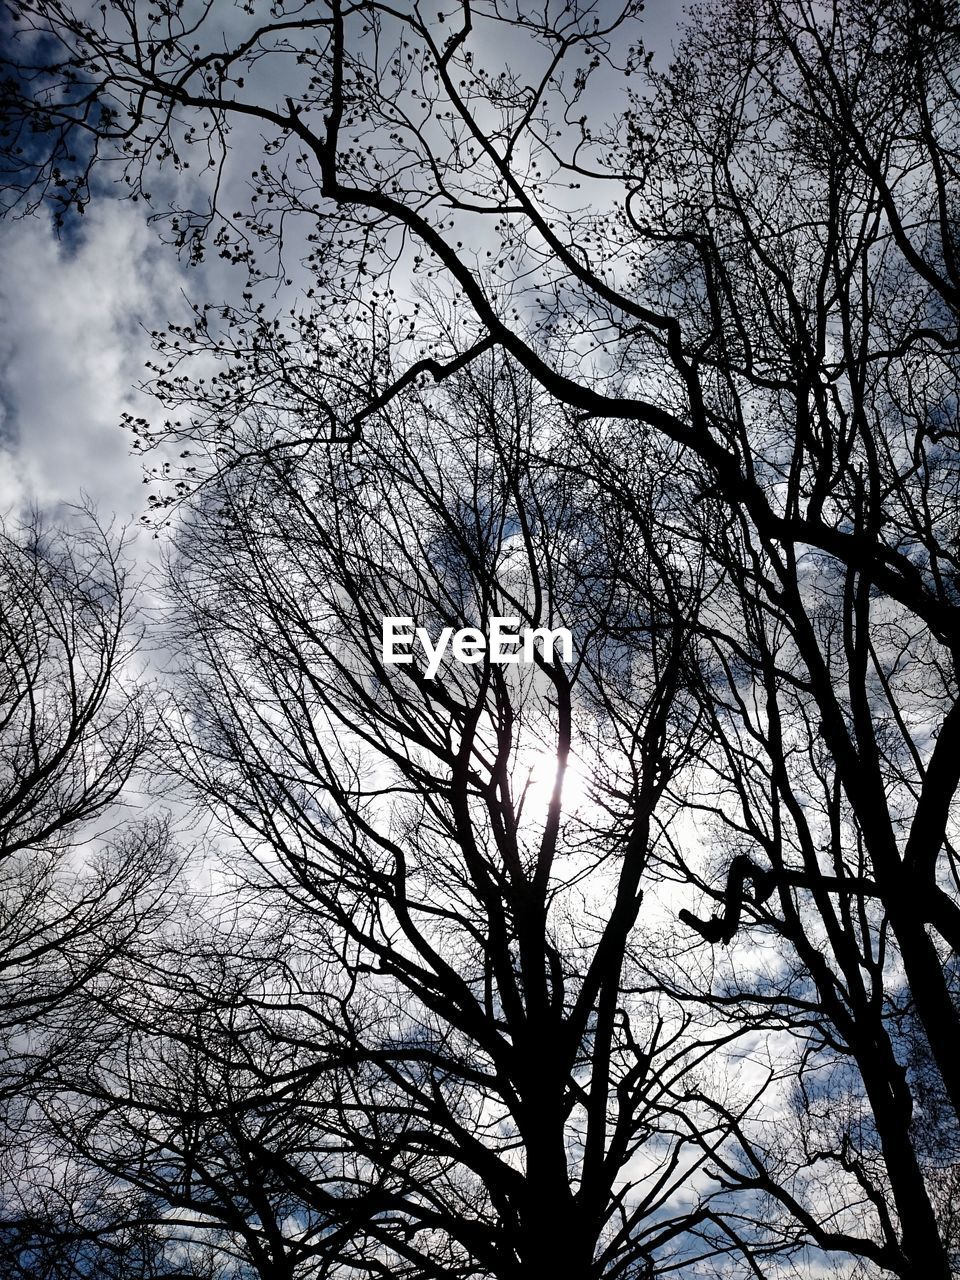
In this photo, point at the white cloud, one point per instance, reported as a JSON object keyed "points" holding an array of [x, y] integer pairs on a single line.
{"points": [[73, 341]]}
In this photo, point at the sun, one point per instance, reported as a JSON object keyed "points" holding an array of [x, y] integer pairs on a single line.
{"points": [[534, 776]]}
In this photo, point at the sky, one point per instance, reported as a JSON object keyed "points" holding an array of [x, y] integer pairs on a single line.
{"points": [[75, 321], [75, 317]]}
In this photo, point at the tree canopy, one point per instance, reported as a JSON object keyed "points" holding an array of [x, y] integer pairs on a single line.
{"points": [[637, 963]]}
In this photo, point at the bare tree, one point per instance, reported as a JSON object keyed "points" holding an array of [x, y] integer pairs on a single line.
{"points": [[188, 1094], [827, 350], [457, 856], [763, 280], [793, 882], [72, 724], [80, 878]]}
